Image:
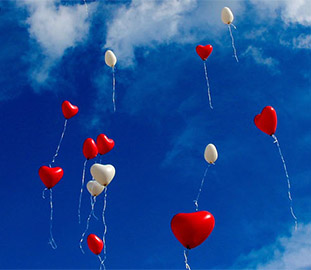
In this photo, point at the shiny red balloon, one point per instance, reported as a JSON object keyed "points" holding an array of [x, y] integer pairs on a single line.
{"points": [[95, 243], [50, 176], [69, 110], [192, 229], [104, 144], [89, 148], [266, 121], [204, 51]]}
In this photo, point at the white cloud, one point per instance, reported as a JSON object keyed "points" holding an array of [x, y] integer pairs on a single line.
{"points": [[260, 58], [302, 41], [287, 252], [55, 28]]}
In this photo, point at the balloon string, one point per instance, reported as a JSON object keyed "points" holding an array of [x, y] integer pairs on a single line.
{"points": [[51, 240], [288, 181], [113, 89], [196, 201], [86, 8], [93, 201], [60, 141], [232, 42], [102, 265], [104, 222], [81, 191], [43, 193], [208, 88], [186, 253]]}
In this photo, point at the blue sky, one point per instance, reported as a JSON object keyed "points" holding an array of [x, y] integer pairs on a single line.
{"points": [[52, 51]]}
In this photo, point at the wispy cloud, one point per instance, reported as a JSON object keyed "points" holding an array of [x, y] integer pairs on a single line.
{"points": [[53, 28], [302, 42], [287, 252]]}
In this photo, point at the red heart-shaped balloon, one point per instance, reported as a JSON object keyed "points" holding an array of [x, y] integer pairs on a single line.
{"points": [[89, 148], [50, 176], [266, 121], [69, 110], [204, 51], [191, 229], [104, 144], [95, 243]]}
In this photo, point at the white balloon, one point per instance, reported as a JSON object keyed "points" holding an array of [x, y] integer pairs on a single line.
{"points": [[94, 188], [110, 58], [103, 174], [210, 153], [227, 15]]}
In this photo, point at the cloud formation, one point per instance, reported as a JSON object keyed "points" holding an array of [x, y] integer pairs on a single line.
{"points": [[287, 252]]}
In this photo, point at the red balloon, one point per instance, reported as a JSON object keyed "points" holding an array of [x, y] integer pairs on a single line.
{"points": [[104, 144], [50, 176], [69, 110], [89, 148], [204, 51], [95, 243], [191, 229], [266, 121]]}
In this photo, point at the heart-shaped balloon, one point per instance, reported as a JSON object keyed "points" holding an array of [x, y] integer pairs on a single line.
{"points": [[89, 149], [266, 121], [191, 229], [94, 188], [204, 51], [69, 110], [103, 174], [95, 244], [50, 176], [104, 144]]}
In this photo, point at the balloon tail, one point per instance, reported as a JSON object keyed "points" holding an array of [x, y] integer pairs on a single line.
{"points": [[81, 191], [288, 181], [86, 8], [51, 240], [104, 222], [196, 201], [43, 193], [208, 88], [102, 261], [186, 253], [60, 142], [232, 42], [113, 89], [93, 201]]}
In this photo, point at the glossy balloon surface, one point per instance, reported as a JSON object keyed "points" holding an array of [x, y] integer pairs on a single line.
{"points": [[89, 148], [204, 51], [69, 110], [50, 176], [266, 121], [95, 244], [104, 144]]}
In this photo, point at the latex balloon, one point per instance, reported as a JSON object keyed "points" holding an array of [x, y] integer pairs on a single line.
{"points": [[94, 188], [266, 121], [69, 110], [227, 16], [50, 176], [95, 244], [204, 51], [110, 58], [210, 153], [103, 174], [89, 148], [192, 229], [104, 144]]}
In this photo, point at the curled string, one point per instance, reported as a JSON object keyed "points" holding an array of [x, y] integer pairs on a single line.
{"points": [[104, 222], [288, 181], [186, 253], [196, 201], [113, 89], [60, 141], [81, 191], [51, 240], [208, 88], [93, 201], [102, 265], [232, 42], [43, 193]]}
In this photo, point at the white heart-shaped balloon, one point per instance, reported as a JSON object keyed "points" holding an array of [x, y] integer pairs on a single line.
{"points": [[227, 15], [103, 174], [94, 188], [110, 58], [210, 153]]}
